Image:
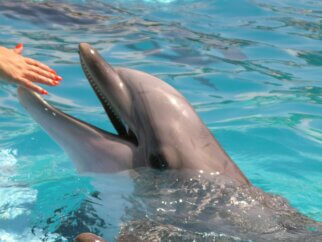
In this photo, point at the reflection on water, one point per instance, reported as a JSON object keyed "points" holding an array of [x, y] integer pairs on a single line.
{"points": [[252, 70]]}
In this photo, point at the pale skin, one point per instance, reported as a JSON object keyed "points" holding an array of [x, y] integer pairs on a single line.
{"points": [[26, 71]]}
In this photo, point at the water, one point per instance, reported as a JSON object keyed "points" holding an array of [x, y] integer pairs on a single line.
{"points": [[251, 69]]}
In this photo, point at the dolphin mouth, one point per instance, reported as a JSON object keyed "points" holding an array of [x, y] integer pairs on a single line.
{"points": [[124, 132]]}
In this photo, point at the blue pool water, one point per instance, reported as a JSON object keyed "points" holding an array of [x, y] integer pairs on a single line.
{"points": [[251, 69]]}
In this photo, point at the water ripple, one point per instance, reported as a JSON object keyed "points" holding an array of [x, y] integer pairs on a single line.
{"points": [[251, 69]]}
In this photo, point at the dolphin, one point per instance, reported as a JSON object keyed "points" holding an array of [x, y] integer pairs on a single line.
{"points": [[155, 124]]}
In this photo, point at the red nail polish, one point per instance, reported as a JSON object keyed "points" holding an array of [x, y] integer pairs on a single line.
{"points": [[56, 82], [18, 46], [53, 71], [58, 78], [44, 92]]}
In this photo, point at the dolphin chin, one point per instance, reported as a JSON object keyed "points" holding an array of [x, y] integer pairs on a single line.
{"points": [[155, 125]]}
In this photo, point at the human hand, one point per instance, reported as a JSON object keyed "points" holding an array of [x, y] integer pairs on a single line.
{"points": [[25, 71]]}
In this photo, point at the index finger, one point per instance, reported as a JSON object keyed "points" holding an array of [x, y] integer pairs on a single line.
{"points": [[39, 64]]}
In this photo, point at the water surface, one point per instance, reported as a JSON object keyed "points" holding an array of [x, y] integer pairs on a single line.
{"points": [[251, 69]]}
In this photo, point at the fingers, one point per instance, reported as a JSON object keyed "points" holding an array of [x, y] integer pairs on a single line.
{"points": [[41, 73], [18, 49], [35, 77], [46, 74], [35, 71], [32, 86], [39, 64]]}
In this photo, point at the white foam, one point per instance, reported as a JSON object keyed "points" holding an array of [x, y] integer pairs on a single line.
{"points": [[7, 164], [16, 201], [28, 235]]}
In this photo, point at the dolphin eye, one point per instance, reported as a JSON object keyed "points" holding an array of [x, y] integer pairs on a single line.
{"points": [[158, 162]]}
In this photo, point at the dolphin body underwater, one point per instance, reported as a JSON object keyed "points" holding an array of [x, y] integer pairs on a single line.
{"points": [[156, 127]]}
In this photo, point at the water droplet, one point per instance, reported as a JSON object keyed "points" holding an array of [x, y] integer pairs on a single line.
{"points": [[54, 114]]}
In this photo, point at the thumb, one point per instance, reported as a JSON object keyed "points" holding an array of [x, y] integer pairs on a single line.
{"points": [[18, 49]]}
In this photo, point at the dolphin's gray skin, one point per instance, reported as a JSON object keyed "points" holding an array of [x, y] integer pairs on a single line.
{"points": [[156, 126]]}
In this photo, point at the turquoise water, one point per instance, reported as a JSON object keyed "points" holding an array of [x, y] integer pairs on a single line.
{"points": [[251, 69]]}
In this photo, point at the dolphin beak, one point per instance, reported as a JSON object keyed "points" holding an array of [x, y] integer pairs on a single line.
{"points": [[92, 149], [109, 88]]}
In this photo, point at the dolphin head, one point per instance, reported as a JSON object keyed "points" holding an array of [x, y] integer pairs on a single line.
{"points": [[155, 117], [155, 124]]}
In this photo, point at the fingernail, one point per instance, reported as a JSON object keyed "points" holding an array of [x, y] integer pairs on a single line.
{"points": [[58, 78], [44, 92], [18, 46], [53, 71], [56, 82]]}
